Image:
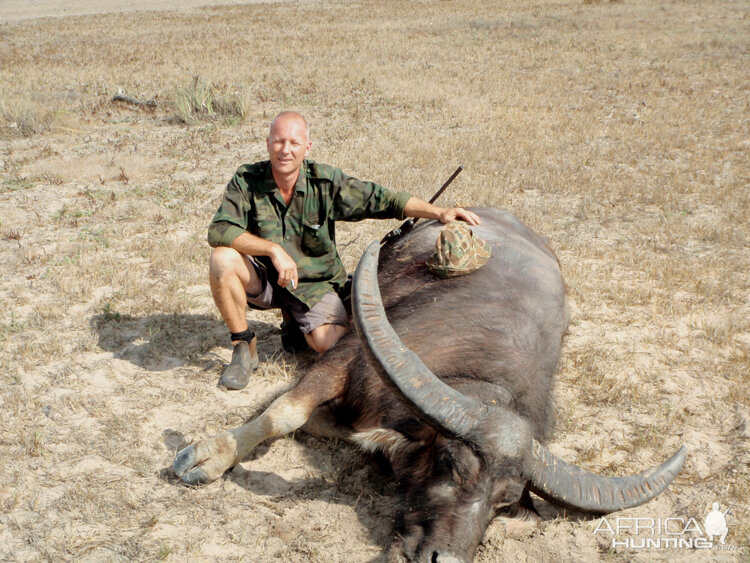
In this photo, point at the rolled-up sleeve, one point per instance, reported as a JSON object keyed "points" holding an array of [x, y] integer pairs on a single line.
{"points": [[231, 219], [355, 200]]}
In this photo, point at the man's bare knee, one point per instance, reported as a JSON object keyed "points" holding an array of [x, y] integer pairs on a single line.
{"points": [[224, 260], [226, 265], [317, 344], [324, 337]]}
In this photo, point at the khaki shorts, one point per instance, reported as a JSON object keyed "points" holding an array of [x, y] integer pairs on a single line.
{"points": [[329, 310]]}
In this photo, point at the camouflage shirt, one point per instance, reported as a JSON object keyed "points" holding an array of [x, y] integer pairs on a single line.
{"points": [[306, 227]]}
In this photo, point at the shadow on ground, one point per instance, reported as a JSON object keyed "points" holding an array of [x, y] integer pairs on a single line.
{"points": [[163, 342], [343, 475]]}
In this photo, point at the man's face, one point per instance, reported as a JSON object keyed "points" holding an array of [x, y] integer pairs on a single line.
{"points": [[287, 144]]}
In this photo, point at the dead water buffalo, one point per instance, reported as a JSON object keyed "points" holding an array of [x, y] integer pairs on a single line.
{"points": [[452, 384]]}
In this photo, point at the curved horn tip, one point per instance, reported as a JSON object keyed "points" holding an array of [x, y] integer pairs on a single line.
{"points": [[575, 487], [373, 248], [675, 462]]}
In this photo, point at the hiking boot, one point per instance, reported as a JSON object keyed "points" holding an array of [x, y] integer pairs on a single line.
{"points": [[292, 339], [244, 360]]}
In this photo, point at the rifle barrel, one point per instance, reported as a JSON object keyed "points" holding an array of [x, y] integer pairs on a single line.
{"points": [[730, 508], [447, 183], [408, 225]]}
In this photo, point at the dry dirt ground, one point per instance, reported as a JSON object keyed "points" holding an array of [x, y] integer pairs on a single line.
{"points": [[619, 130]]}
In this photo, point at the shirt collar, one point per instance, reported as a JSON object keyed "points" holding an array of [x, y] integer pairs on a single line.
{"points": [[301, 184], [268, 184]]}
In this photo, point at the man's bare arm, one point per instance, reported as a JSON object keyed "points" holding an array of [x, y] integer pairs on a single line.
{"points": [[253, 245]]}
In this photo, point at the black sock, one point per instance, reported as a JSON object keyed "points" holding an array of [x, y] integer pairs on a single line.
{"points": [[245, 335]]}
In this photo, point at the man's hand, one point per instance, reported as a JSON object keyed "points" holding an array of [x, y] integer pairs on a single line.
{"points": [[416, 207], [252, 245], [459, 214], [285, 266]]}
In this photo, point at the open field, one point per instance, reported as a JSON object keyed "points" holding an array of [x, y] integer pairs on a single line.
{"points": [[20, 10], [621, 131]]}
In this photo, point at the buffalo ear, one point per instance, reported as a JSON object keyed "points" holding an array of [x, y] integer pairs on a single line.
{"points": [[387, 441], [412, 428], [506, 492]]}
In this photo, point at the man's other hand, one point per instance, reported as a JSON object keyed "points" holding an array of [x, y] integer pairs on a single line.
{"points": [[285, 266]]}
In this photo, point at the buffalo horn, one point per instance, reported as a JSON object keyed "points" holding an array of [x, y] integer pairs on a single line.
{"points": [[566, 484], [438, 404]]}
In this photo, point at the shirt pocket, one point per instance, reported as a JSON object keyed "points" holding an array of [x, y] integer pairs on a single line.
{"points": [[266, 223], [315, 238]]}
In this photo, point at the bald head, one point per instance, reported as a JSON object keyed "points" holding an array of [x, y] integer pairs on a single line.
{"points": [[289, 116]]}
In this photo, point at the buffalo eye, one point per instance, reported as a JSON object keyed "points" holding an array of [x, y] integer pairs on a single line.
{"points": [[457, 462], [444, 463]]}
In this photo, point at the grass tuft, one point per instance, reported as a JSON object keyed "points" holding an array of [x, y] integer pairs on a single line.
{"points": [[22, 116], [202, 101]]}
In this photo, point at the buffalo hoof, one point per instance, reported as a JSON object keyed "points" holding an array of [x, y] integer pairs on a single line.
{"points": [[207, 460]]}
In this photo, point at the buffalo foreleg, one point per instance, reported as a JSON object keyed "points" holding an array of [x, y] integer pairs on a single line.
{"points": [[208, 459]]}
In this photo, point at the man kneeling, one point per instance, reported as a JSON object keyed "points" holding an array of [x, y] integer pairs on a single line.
{"points": [[274, 243]]}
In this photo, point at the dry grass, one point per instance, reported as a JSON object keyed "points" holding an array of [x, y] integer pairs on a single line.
{"points": [[617, 129], [202, 101], [24, 115]]}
